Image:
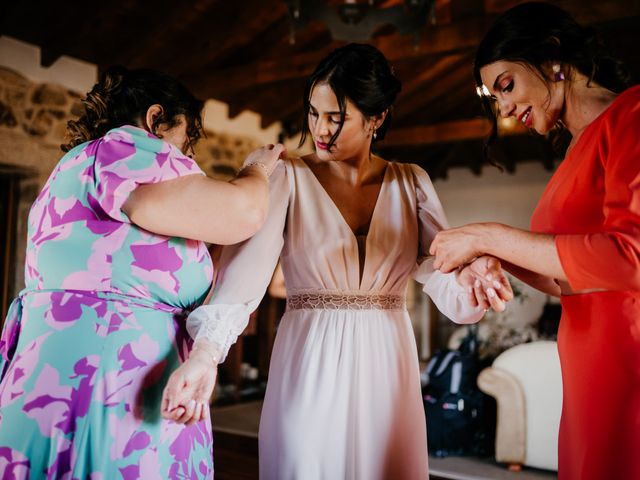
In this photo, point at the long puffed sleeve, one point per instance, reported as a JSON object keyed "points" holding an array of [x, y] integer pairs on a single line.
{"points": [[244, 273], [610, 258], [447, 294]]}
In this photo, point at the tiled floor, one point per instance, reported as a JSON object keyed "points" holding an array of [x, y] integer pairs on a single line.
{"points": [[236, 452]]}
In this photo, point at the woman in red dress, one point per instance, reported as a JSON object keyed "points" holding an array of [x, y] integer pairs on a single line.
{"points": [[542, 68]]}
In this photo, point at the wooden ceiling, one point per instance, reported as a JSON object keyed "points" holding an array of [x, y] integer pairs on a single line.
{"points": [[241, 52]]}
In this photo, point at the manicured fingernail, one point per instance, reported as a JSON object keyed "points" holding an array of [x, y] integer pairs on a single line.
{"points": [[489, 276], [497, 284], [491, 292], [476, 283]]}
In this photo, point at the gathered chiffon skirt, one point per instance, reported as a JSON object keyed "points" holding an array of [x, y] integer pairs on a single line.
{"points": [[343, 399]]}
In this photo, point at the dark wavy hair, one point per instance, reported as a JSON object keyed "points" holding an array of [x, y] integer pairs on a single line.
{"points": [[360, 73], [122, 97], [536, 34]]}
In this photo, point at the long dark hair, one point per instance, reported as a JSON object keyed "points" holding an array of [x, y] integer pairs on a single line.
{"points": [[122, 97], [536, 34], [360, 73]]}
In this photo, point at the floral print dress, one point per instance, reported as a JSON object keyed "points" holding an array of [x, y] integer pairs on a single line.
{"points": [[90, 342]]}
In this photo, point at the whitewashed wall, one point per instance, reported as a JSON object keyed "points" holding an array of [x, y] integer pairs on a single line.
{"points": [[493, 196], [498, 197]]}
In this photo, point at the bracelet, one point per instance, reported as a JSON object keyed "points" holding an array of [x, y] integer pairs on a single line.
{"points": [[259, 164], [214, 359]]}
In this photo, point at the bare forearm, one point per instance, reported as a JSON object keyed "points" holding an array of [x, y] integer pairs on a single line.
{"points": [[251, 183], [524, 250], [201, 208], [539, 282]]}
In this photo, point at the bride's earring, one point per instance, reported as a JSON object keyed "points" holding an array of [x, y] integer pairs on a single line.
{"points": [[558, 75]]}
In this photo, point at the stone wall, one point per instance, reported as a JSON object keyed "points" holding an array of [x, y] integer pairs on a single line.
{"points": [[33, 120]]}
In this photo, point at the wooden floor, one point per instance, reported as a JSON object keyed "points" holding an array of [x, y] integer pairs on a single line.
{"points": [[235, 437], [235, 452], [235, 456]]}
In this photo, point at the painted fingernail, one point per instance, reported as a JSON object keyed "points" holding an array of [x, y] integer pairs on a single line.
{"points": [[497, 284], [491, 292], [476, 283], [489, 277]]}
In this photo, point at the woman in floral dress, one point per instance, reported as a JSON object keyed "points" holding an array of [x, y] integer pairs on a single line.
{"points": [[113, 265]]}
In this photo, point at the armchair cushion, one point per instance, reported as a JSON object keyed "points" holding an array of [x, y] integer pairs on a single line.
{"points": [[527, 385]]}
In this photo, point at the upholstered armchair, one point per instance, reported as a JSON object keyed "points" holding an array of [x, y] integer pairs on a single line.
{"points": [[525, 380]]}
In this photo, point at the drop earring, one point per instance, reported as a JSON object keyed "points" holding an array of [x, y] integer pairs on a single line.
{"points": [[558, 75], [375, 134]]}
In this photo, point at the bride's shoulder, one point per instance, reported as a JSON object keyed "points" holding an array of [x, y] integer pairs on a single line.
{"points": [[295, 160], [411, 170]]}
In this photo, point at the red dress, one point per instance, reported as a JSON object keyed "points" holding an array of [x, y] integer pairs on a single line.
{"points": [[592, 206]]}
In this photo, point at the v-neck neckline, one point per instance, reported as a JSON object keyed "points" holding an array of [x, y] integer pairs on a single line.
{"points": [[354, 237]]}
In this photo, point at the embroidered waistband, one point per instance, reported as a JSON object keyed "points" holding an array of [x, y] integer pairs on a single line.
{"points": [[345, 301]]}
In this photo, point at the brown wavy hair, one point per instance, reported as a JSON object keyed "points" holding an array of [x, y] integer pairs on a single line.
{"points": [[123, 96]]}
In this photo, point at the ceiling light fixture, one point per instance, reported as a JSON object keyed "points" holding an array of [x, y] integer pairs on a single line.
{"points": [[357, 21]]}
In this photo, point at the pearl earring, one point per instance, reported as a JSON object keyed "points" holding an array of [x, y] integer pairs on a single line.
{"points": [[558, 76], [375, 134]]}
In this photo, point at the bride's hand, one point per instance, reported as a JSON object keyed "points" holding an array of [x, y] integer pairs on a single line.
{"points": [[186, 396], [487, 283]]}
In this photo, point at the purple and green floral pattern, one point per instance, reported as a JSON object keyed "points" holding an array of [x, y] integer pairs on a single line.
{"points": [[90, 342]]}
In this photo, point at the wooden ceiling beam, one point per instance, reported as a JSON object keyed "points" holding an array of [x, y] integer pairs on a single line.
{"points": [[437, 40], [461, 9], [434, 72], [184, 19], [251, 21], [584, 12], [454, 131], [459, 36], [451, 82]]}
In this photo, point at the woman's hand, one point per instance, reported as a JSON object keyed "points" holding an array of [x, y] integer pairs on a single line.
{"points": [[486, 282], [186, 396], [459, 246], [266, 156]]}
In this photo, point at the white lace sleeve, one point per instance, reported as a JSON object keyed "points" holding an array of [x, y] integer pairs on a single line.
{"points": [[448, 295], [220, 324], [244, 273]]}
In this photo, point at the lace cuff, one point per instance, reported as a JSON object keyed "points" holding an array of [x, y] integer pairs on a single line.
{"points": [[220, 324], [449, 296]]}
